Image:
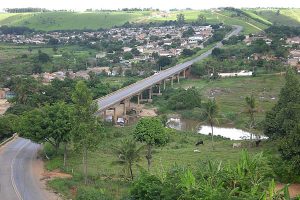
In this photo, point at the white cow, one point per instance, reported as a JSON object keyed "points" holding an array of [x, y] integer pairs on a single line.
{"points": [[236, 145]]}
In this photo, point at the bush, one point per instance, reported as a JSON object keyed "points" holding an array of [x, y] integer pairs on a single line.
{"points": [[146, 187], [185, 99], [87, 193]]}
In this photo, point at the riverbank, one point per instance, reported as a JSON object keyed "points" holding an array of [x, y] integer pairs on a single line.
{"points": [[230, 95]]}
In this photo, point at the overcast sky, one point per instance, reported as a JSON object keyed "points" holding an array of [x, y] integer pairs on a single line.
{"points": [[81, 5]]}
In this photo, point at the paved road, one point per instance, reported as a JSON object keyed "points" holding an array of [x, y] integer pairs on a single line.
{"points": [[17, 181], [129, 91]]}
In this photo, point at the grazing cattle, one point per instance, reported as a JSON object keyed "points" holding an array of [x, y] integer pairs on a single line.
{"points": [[200, 142], [196, 150], [257, 142], [236, 145]]}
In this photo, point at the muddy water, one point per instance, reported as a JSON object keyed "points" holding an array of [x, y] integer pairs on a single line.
{"points": [[194, 126]]}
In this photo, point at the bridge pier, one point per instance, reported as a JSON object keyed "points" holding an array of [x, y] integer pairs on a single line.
{"points": [[172, 83], [150, 94], [164, 84], [178, 77]]}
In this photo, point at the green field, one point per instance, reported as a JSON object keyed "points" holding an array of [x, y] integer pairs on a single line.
{"points": [[94, 20], [70, 20], [110, 177], [289, 17], [250, 26], [230, 94]]}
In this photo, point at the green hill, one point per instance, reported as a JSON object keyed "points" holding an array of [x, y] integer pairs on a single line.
{"points": [[70, 20], [253, 20], [290, 17]]}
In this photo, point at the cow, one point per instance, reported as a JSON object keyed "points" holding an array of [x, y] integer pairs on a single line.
{"points": [[236, 145], [257, 142], [196, 150], [200, 142]]}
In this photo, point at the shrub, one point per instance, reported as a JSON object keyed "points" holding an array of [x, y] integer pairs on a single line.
{"points": [[87, 193]]}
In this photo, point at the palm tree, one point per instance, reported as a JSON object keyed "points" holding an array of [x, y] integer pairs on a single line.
{"points": [[210, 113], [251, 109], [128, 153]]}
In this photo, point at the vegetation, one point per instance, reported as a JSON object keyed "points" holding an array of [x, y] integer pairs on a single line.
{"points": [[210, 114], [86, 127], [248, 179], [7, 124], [128, 154], [151, 132], [282, 122]]}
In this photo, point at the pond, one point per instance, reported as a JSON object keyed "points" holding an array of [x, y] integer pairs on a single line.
{"points": [[194, 126]]}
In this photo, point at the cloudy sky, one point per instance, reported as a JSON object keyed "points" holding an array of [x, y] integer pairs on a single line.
{"points": [[81, 5]]}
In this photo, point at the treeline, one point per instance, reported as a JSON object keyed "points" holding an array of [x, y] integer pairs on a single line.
{"points": [[17, 30], [283, 31], [124, 9], [25, 10]]}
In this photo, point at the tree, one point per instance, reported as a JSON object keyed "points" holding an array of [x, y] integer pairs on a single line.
{"points": [[151, 132], [127, 55], [51, 124], [201, 19], [285, 115], [250, 110], [86, 126], [43, 57], [210, 114], [128, 154], [164, 61], [289, 149], [180, 19], [135, 51], [7, 124]]}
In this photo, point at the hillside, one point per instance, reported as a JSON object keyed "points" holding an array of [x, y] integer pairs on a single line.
{"points": [[253, 20], [70, 20], [289, 17]]}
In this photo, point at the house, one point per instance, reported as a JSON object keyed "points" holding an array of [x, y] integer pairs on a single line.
{"points": [[293, 40], [241, 73]]}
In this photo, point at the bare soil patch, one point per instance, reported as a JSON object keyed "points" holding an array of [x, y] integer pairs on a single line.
{"points": [[294, 189], [4, 105]]}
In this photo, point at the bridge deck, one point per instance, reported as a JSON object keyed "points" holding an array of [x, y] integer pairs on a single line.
{"points": [[136, 88]]}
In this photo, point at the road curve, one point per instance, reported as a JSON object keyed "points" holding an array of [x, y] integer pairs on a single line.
{"points": [[131, 90], [17, 181]]}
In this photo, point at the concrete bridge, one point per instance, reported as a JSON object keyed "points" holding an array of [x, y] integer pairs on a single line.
{"points": [[155, 82]]}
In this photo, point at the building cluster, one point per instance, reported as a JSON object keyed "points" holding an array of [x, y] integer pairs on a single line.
{"points": [[47, 77], [294, 57], [166, 35]]}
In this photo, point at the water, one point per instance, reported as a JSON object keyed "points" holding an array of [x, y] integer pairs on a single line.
{"points": [[192, 125]]}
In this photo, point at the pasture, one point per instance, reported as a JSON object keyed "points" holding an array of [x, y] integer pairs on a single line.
{"points": [[289, 17], [179, 151]]}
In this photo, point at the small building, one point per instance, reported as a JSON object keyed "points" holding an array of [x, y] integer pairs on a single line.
{"points": [[237, 74]]}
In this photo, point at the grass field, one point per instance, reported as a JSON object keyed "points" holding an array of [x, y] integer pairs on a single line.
{"points": [[12, 62], [230, 94], [70, 20], [110, 177], [75, 20], [289, 17]]}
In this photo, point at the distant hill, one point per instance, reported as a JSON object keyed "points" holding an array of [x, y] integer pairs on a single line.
{"points": [[290, 17], [49, 21], [253, 20]]}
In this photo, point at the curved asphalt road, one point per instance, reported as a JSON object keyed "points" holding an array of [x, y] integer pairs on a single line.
{"points": [[17, 181], [131, 90]]}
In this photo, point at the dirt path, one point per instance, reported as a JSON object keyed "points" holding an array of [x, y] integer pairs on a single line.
{"points": [[4, 105], [39, 172], [294, 189]]}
